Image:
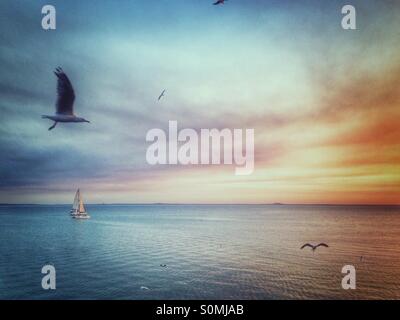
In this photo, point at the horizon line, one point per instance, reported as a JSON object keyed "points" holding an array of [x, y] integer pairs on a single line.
{"points": [[204, 204]]}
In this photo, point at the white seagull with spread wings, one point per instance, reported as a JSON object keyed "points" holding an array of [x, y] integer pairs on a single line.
{"points": [[65, 101]]}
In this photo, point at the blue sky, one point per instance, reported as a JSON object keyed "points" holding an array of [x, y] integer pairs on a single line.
{"points": [[266, 65]]}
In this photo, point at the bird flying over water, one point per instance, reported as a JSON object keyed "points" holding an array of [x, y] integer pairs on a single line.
{"points": [[65, 101], [161, 95], [313, 247], [219, 2]]}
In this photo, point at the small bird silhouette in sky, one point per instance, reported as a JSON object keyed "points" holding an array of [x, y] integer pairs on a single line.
{"points": [[314, 247], [161, 95]]}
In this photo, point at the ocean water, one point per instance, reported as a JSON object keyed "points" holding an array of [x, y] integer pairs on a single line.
{"points": [[210, 252]]}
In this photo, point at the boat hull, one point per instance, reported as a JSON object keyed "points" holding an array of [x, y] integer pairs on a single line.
{"points": [[83, 217]]}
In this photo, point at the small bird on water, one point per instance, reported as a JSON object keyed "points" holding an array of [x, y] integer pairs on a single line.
{"points": [[219, 2], [65, 101], [314, 247]]}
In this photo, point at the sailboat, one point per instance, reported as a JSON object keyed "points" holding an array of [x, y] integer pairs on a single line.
{"points": [[78, 210]]}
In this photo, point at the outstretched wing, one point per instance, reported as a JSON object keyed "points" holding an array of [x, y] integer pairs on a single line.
{"points": [[66, 95], [322, 245], [161, 95], [307, 245]]}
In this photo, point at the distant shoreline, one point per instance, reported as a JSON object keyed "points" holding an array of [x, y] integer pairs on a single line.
{"points": [[204, 204]]}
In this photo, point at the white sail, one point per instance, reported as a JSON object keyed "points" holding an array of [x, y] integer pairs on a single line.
{"points": [[76, 201], [78, 208], [81, 206]]}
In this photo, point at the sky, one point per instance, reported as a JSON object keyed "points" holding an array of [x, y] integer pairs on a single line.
{"points": [[323, 101]]}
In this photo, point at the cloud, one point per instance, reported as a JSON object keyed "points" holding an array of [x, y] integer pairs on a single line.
{"points": [[322, 101]]}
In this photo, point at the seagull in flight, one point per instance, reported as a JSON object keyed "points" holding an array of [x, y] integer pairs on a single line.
{"points": [[219, 2], [161, 95], [65, 101], [313, 247]]}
